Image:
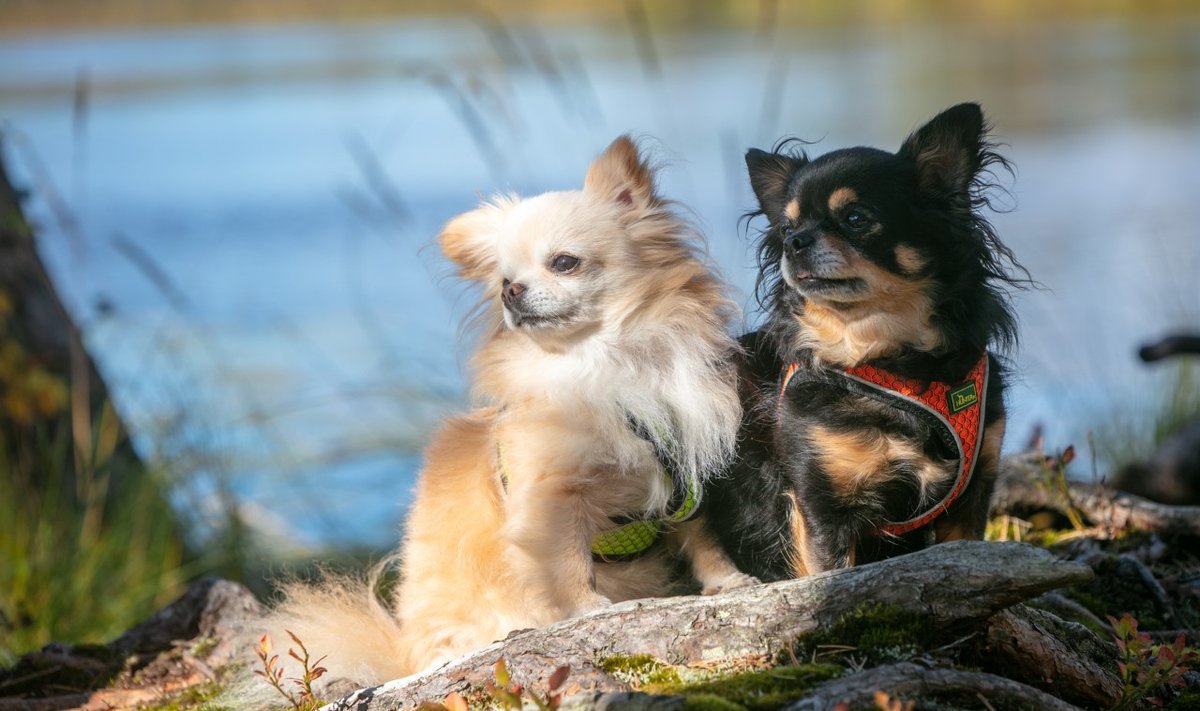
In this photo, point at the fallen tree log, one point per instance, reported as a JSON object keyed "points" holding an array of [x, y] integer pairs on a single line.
{"points": [[109, 699], [1018, 489], [950, 585], [177, 648], [913, 681], [1044, 651]]}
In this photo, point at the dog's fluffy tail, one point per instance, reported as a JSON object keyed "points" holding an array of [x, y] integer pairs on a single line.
{"points": [[341, 621]]}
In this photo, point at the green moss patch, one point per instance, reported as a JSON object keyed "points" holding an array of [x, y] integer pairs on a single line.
{"points": [[872, 634], [707, 690], [641, 670], [757, 689]]}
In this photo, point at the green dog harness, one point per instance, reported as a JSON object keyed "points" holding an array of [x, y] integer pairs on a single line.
{"points": [[636, 534], [634, 537]]}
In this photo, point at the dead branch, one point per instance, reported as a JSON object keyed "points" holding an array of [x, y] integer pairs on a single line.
{"points": [[1017, 490], [1130, 565], [1044, 651], [1068, 609]]}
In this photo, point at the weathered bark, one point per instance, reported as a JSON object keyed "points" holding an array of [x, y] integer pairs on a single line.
{"points": [[108, 699], [1038, 648], [149, 663], [1016, 490], [913, 681], [951, 585], [211, 609]]}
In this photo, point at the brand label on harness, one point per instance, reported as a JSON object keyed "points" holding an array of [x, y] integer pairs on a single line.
{"points": [[962, 397]]}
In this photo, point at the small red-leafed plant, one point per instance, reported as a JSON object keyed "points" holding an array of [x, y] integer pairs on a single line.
{"points": [[1054, 479], [453, 702], [885, 702], [1147, 668], [509, 694], [503, 689], [272, 671]]}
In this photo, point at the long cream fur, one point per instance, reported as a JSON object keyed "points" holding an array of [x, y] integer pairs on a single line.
{"points": [[637, 330]]}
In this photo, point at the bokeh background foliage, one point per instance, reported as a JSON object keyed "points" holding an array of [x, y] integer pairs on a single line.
{"points": [[81, 560]]}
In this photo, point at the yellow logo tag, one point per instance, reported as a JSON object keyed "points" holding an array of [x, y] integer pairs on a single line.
{"points": [[962, 397]]}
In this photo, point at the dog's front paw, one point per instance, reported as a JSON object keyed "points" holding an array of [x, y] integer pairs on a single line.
{"points": [[729, 582], [591, 602]]}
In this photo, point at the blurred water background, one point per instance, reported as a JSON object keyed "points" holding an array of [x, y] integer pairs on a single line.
{"points": [[238, 200]]}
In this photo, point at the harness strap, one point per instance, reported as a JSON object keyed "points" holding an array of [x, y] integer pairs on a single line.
{"points": [[955, 411], [686, 492]]}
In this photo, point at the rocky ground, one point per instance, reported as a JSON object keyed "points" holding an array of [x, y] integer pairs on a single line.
{"points": [[1091, 601]]}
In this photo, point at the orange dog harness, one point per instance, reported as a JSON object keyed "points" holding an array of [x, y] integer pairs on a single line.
{"points": [[958, 408]]}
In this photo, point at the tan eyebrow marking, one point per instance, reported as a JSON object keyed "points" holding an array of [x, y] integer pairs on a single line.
{"points": [[792, 210], [840, 198], [909, 259]]}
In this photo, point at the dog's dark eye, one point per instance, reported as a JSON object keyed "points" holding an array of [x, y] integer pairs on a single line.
{"points": [[856, 219], [564, 263]]}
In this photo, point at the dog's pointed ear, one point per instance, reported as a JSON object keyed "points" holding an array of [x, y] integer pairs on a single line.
{"points": [[948, 150], [469, 240], [621, 174], [770, 175]]}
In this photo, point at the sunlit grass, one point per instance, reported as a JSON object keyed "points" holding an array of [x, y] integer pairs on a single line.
{"points": [[1182, 403], [74, 570], [1130, 436], [89, 545]]}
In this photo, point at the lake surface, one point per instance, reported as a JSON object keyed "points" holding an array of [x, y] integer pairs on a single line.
{"points": [[241, 218]]}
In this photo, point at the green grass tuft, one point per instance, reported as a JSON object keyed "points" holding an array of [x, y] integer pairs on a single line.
{"points": [[80, 567], [1128, 437], [195, 698]]}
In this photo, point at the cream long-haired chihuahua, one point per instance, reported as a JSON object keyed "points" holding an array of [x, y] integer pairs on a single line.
{"points": [[606, 395]]}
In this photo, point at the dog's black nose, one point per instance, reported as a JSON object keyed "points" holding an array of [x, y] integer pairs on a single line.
{"points": [[797, 241], [511, 290]]}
